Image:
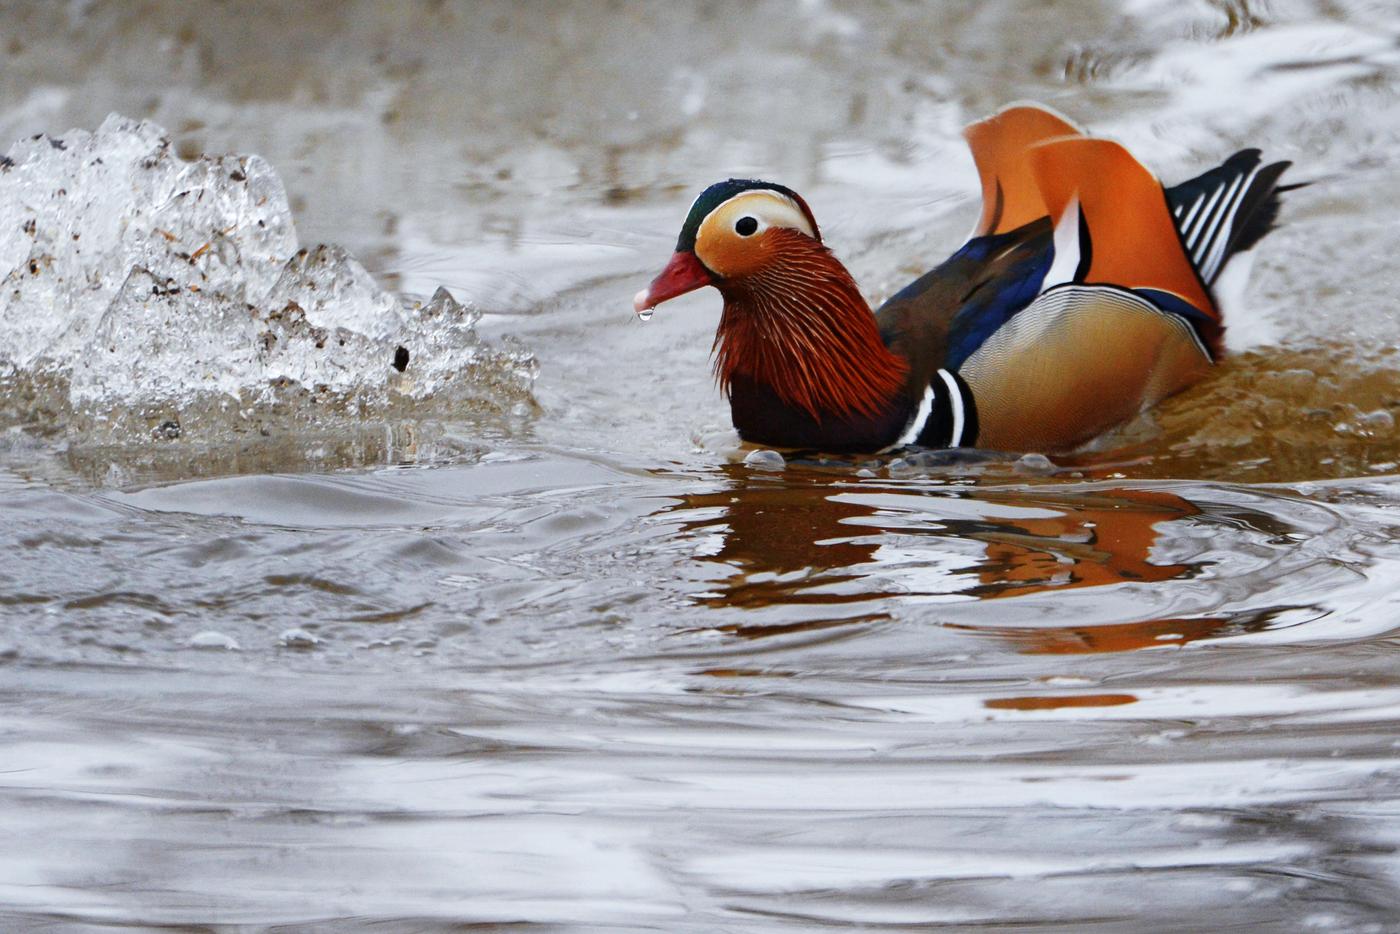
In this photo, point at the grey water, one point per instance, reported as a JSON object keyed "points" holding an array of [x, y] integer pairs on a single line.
{"points": [[577, 665]]}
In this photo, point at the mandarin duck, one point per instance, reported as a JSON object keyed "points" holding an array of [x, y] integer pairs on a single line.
{"points": [[1082, 298]]}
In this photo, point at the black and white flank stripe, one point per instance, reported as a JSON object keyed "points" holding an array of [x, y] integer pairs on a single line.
{"points": [[946, 416]]}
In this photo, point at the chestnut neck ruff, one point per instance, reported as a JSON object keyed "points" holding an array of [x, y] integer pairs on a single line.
{"points": [[801, 327]]}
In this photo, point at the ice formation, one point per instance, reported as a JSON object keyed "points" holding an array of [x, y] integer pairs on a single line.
{"points": [[138, 283]]}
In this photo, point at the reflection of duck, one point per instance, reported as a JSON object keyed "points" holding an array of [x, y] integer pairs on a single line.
{"points": [[1115, 637], [1082, 299], [783, 539], [1146, 634], [1097, 538], [818, 543]]}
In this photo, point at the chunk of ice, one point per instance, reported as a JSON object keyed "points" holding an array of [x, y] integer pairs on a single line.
{"points": [[136, 282], [82, 211]]}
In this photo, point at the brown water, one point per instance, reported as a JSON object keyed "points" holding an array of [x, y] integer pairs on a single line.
{"points": [[581, 668]]}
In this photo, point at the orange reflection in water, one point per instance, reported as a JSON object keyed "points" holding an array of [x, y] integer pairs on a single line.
{"points": [[1114, 637], [807, 540], [1059, 702], [1099, 538]]}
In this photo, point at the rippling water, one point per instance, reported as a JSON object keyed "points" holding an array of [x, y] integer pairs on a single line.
{"points": [[585, 669]]}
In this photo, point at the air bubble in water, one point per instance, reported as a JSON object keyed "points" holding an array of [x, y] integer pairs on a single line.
{"points": [[765, 460]]}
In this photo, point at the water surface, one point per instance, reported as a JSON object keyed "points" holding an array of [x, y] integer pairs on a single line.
{"points": [[580, 668]]}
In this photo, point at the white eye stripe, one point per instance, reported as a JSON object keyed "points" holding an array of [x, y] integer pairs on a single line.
{"points": [[784, 213]]}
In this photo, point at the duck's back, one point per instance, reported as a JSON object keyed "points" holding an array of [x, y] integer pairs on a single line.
{"points": [[1055, 335], [939, 319]]}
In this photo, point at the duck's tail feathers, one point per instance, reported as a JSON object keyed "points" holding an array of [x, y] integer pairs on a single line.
{"points": [[1112, 223], [1227, 210], [1000, 144]]}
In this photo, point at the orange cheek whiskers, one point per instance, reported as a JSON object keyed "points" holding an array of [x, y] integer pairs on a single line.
{"points": [[801, 327]]}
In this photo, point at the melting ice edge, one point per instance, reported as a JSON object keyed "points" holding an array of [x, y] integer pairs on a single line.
{"points": [[138, 283]]}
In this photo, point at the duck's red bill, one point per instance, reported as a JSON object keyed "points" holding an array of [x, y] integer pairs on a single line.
{"points": [[684, 273]]}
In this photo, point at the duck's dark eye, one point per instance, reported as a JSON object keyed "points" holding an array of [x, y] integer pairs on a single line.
{"points": [[745, 226]]}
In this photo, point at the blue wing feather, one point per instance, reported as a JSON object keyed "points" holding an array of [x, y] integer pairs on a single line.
{"points": [[992, 303]]}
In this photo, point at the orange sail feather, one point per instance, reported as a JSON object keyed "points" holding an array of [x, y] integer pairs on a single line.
{"points": [[1134, 239], [1001, 146]]}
